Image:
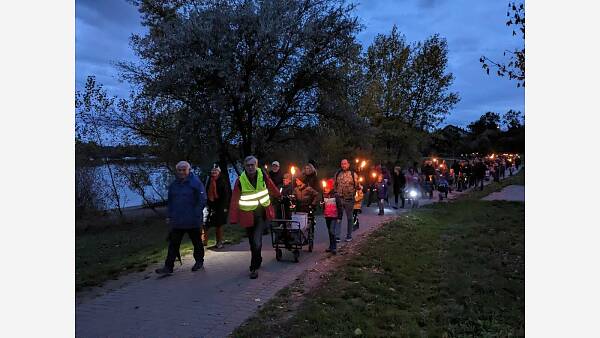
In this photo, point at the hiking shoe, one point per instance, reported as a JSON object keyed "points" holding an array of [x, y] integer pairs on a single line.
{"points": [[348, 239], [197, 266], [253, 274], [328, 250], [164, 271], [220, 245]]}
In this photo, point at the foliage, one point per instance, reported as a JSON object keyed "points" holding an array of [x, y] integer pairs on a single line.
{"points": [[405, 92], [238, 76], [89, 193], [514, 67]]}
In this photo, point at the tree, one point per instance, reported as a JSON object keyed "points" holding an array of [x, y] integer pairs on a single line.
{"points": [[406, 91], [93, 108], [512, 120], [514, 67], [487, 121], [238, 76]]}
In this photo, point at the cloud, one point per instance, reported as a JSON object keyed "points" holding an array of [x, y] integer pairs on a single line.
{"points": [[472, 28]]}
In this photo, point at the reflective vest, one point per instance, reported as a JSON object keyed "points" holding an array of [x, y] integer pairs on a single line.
{"points": [[251, 196]]}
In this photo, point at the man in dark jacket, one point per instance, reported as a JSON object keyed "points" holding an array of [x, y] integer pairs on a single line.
{"points": [[275, 174], [187, 199]]}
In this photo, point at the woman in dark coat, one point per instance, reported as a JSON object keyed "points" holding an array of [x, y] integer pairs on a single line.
{"points": [[399, 182], [218, 192]]}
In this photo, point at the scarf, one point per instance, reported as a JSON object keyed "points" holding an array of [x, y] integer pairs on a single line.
{"points": [[212, 189]]}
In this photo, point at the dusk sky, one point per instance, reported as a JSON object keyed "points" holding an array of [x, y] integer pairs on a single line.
{"points": [[472, 27]]}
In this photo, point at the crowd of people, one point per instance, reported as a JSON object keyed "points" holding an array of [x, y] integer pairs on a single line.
{"points": [[259, 196]]}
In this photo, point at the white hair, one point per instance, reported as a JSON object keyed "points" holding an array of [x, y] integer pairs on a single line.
{"points": [[183, 165], [250, 158]]}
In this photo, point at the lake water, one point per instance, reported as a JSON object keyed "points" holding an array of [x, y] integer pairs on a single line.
{"points": [[159, 177]]}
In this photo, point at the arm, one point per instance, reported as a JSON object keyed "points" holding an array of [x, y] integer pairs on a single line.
{"points": [[169, 202]]}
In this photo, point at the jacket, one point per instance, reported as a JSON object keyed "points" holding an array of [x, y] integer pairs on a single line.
{"points": [[337, 206], [186, 202], [358, 198], [246, 218], [382, 190], [306, 196], [217, 214], [276, 177], [399, 181]]}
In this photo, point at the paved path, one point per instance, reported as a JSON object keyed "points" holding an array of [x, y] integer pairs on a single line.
{"points": [[510, 193], [211, 302]]}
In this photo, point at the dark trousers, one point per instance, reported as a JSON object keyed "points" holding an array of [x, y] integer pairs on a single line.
{"points": [[348, 206], [175, 241], [331, 224], [401, 194], [255, 234]]}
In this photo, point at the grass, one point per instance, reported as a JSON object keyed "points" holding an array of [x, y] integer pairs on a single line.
{"points": [[105, 253], [446, 270]]}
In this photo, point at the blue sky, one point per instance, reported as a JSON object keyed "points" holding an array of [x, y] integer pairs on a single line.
{"points": [[472, 27]]}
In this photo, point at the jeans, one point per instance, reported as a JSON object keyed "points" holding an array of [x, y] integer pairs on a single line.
{"points": [[175, 241], [380, 203], [348, 206], [255, 234], [332, 229]]}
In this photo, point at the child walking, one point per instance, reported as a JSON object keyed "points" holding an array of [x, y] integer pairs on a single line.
{"points": [[358, 198], [332, 211], [381, 193]]}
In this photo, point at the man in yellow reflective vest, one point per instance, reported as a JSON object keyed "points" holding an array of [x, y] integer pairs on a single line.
{"points": [[251, 207]]}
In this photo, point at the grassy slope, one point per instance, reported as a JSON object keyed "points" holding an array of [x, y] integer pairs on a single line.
{"points": [[104, 254], [452, 269]]}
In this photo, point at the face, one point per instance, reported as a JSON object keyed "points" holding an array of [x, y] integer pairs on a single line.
{"points": [[326, 189], [250, 167], [274, 168], [307, 170], [287, 181], [379, 179], [298, 182], [345, 165], [183, 172], [214, 173]]}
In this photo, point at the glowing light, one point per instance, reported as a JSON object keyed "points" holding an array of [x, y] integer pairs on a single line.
{"points": [[360, 179], [374, 174], [324, 184], [363, 164], [413, 193], [293, 170], [356, 160]]}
